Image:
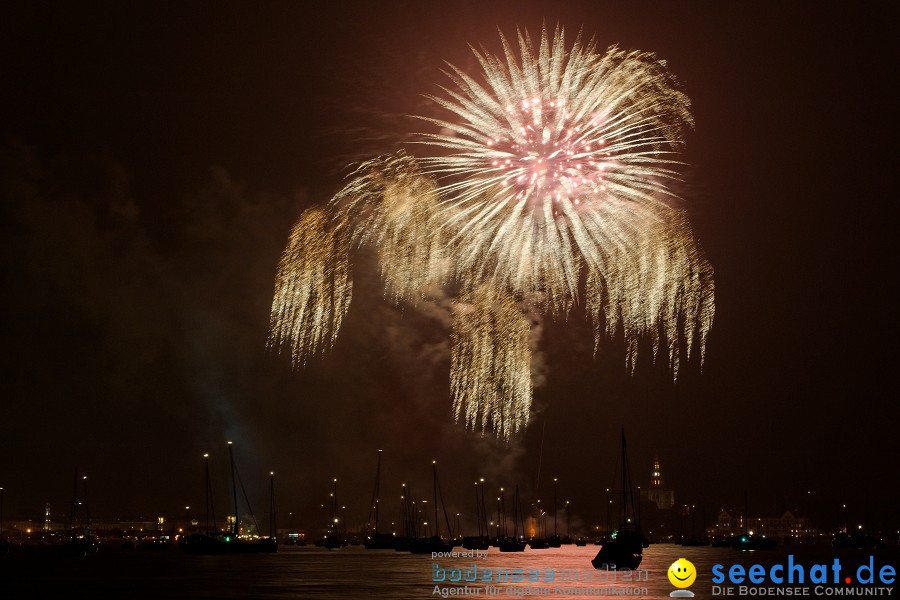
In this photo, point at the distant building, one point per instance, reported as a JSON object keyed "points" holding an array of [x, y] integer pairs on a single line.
{"points": [[663, 498], [658, 519], [47, 523], [787, 525], [726, 524]]}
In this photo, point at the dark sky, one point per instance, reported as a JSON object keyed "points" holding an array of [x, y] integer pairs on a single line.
{"points": [[154, 156]]}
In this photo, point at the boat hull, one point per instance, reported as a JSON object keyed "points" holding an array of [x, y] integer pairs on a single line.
{"points": [[476, 542], [511, 546], [429, 545], [613, 557], [381, 541], [204, 545], [746, 543]]}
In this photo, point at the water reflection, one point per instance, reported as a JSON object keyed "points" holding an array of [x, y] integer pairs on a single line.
{"points": [[353, 572]]}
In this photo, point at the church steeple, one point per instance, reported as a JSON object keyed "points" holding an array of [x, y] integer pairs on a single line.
{"points": [[656, 474], [664, 498]]}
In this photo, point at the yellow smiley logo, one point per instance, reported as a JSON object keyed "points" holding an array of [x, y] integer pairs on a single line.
{"points": [[682, 573]]}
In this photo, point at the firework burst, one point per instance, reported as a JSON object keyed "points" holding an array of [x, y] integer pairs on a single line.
{"points": [[550, 180], [554, 159]]}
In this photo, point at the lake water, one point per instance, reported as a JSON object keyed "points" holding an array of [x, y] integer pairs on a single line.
{"points": [[354, 572]]}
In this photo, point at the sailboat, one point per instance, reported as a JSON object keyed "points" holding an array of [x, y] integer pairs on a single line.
{"points": [[481, 541], [539, 543], [748, 540], [407, 522], [625, 549], [435, 543], [694, 540], [378, 540], [81, 541], [501, 521], [333, 539], [271, 542], [232, 542], [554, 540], [513, 544]]}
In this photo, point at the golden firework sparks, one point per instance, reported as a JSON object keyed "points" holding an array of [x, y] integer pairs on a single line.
{"points": [[490, 362], [312, 286], [391, 207], [661, 287]]}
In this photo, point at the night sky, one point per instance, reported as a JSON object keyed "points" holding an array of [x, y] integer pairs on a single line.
{"points": [[155, 155]]}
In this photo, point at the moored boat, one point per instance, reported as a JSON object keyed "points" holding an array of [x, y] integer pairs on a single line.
{"points": [[233, 541], [435, 543], [625, 549], [513, 544]]}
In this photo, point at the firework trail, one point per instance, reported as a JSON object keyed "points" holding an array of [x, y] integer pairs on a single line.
{"points": [[392, 207], [490, 362], [662, 289], [312, 286], [549, 180]]}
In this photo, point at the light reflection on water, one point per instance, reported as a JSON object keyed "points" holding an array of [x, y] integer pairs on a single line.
{"points": [[357, 573]]}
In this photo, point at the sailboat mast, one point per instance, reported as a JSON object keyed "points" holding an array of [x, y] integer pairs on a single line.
{"points": [[412, 521], [443, 508], [377, 489], [624, 482], [74, 514], [334, 507], [516, 514], [272, 504], [477, 508], [434, 485], [87, 510], [746, 513], [404, 512], [234, 527], [206, 485], [503, 510], [484, 519], [554, 507]]}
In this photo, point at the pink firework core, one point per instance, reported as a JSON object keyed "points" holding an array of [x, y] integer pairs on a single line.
{"points": [[554, 156]]}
